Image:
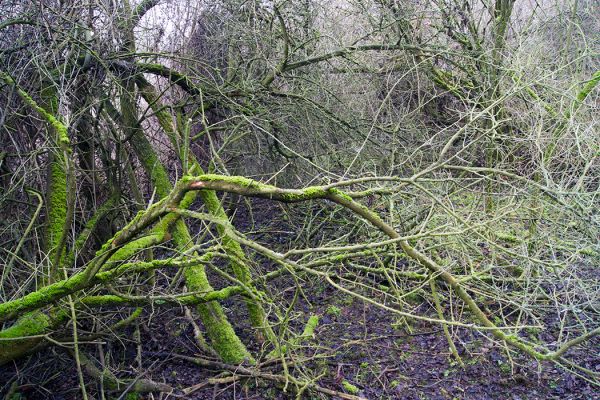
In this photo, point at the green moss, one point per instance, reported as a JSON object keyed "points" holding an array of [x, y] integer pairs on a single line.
{"points": [[57, 182], [309, 331], [222, 336], [413, 298], [109, 300], [341, 194], [311, 325], [511, 338], [29, 324], [59, 128], [220, 332], [507, 237], [346, 300], [57, 205], [505, 367], [588, 87], [42, 296], [314, 191], [588, 251], [238, 264], [446, 80], [26, 333], [243, 182], [132, 248], [333, 310], [236, 180], [349, 388]]}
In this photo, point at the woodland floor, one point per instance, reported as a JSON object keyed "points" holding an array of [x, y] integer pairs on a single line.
{"points": [[357, 342]]}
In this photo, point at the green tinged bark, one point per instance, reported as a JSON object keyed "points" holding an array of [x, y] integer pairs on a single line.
{"points": [[56, 200], [57, 221], [26, 334], [220, 332], [57, 217], [239, 263]]}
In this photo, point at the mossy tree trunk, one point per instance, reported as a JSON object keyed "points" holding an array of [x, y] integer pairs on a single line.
{"points": [[58, 221], [239, 263], [220, 332]]}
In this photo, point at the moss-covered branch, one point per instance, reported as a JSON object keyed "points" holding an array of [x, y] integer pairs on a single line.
{"points": [[89, 228], [248, 187], [238, 261], [28, 333], [58, 290], [59, 127], [111, 300], [59, 195], [219, 330]]}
